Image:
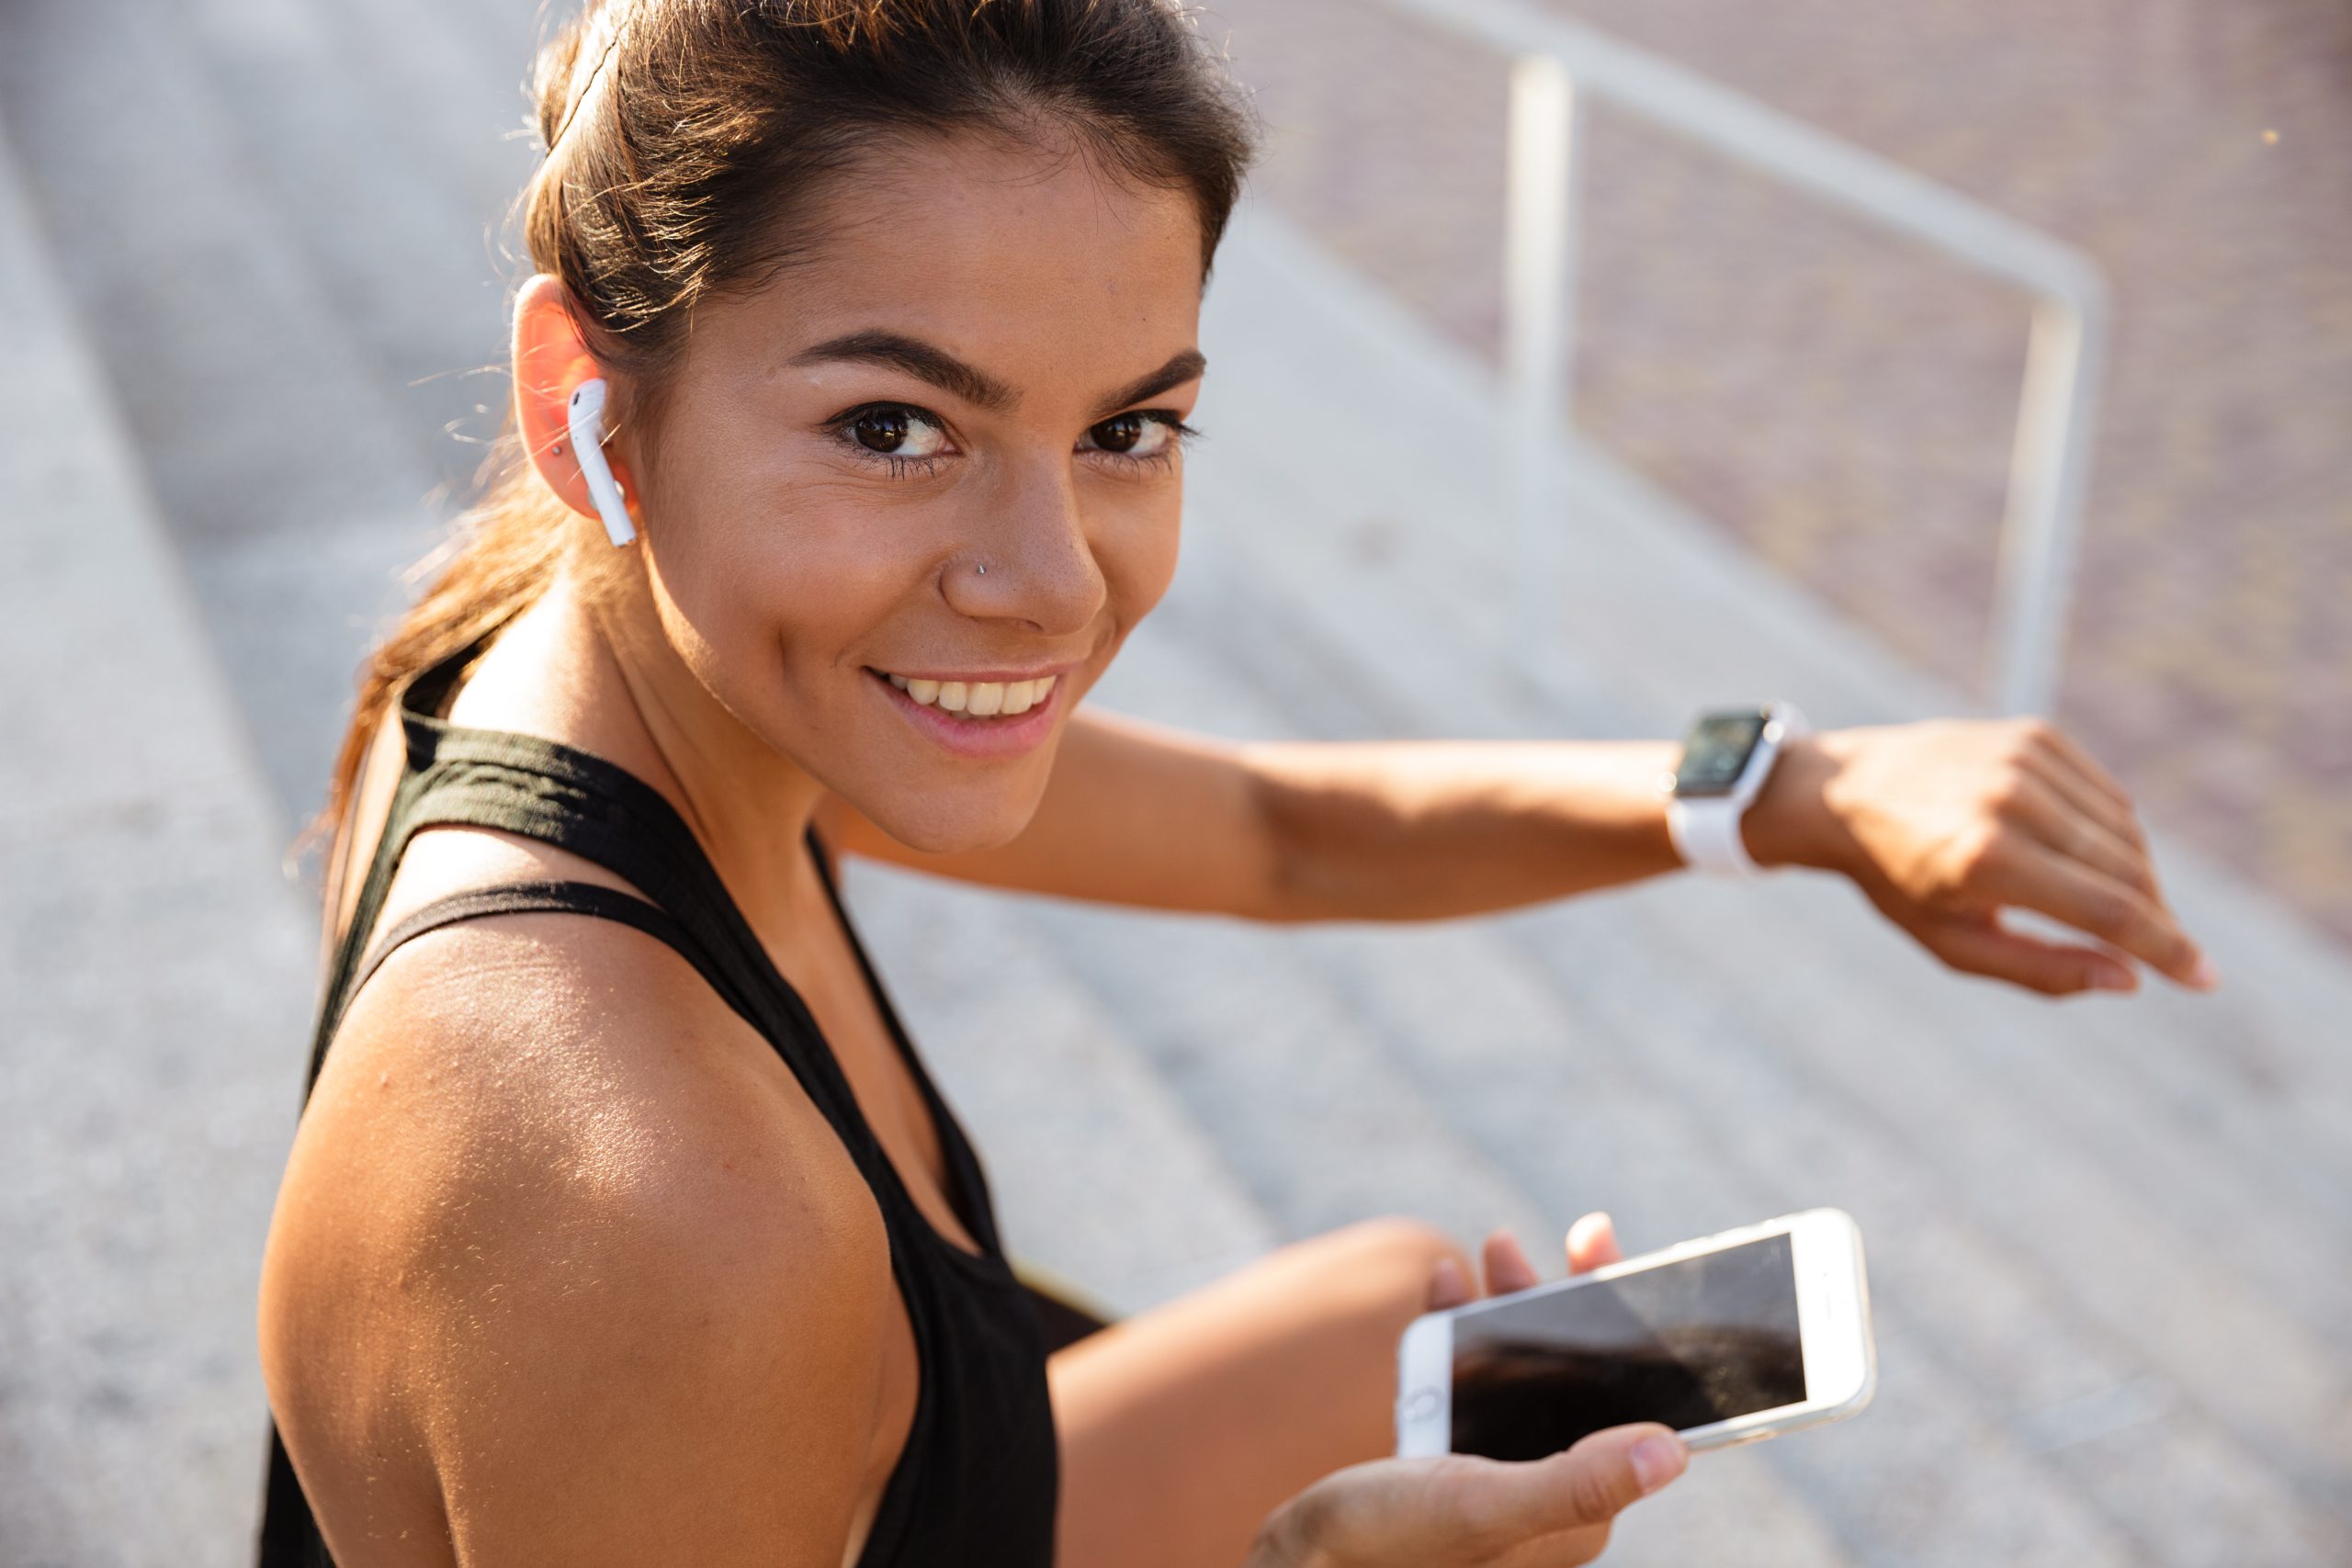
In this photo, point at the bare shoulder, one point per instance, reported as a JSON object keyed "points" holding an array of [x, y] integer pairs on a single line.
{"points": [[564, 1256]]}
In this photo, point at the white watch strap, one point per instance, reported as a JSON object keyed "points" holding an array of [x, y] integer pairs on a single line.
{"points": [[1706, 835], [1706, 829]]}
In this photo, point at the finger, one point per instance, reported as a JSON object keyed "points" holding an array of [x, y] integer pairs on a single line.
{"points": [[2064, 827], [1592, 1243], [1507, 1266], [2055, 969], [2064, 747], [1448, 1286], [2118, 817], [1591, 1483], [2094, 902]]}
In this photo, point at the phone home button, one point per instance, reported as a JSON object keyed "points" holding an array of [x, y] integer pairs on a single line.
{"points": [[1422, 1404]]}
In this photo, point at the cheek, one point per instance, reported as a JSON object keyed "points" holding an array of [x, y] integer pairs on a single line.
{"points": [[1137, 553], [768, 597]]}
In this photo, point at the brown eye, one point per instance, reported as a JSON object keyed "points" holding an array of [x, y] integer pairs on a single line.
{"points": [[881, 430], [1123, 433], [889, 430], [1138, 435]]}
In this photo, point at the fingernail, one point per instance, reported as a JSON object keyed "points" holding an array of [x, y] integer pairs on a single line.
{"points": [[1447, 1287], [2113, 980], [2205, 977], [1657, 1460]]}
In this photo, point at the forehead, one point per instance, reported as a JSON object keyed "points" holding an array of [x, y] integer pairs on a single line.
{"points": [[1032, 262]]}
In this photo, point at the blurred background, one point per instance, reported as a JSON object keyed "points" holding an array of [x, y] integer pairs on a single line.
{"points": [[256, 279]]}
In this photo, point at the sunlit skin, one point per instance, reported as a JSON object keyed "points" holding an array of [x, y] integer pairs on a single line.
{"points": [[786, 560], [567, 1268]]}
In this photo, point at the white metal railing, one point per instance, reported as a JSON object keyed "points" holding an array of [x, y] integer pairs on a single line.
{"points": [[1560, 64]]}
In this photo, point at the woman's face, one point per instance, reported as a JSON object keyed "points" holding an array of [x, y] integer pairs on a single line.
{"points": [[909, 499]]}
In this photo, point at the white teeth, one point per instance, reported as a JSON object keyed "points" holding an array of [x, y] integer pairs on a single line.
{"points": [[980, 699]]}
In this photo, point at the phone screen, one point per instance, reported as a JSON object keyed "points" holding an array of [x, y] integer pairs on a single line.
{"points": [[1687, 1343]]}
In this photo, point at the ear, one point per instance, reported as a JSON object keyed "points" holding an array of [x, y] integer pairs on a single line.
{"points": [[550, 359]]}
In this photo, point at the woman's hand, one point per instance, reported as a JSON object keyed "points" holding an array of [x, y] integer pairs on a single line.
{"points": [[1945, 824], [1463, 1512]]}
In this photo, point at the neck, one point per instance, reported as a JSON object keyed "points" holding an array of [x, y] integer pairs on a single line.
{"points": [[601, 673]]}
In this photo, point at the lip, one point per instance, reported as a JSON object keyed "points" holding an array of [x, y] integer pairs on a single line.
{"points": [[991, 740]]}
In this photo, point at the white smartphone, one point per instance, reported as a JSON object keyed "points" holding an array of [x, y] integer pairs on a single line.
{"points": [[1736, 1336]]}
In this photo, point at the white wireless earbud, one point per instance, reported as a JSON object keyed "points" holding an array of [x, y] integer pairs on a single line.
{"points": [[588, 446]]}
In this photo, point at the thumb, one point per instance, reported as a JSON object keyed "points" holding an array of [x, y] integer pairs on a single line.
{"points": [[1594, 1481], [1460, 1508]]}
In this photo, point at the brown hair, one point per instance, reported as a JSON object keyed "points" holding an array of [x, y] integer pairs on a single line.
{"points": [[687, 140]]}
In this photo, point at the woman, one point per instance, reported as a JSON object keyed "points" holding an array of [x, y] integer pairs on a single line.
{"points": [[642, 1237]]}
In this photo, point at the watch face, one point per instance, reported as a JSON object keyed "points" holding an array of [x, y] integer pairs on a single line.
{"points": [[1717, 751]]}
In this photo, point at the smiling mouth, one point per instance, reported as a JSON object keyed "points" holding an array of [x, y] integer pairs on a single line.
{"points": [[975, 699]]}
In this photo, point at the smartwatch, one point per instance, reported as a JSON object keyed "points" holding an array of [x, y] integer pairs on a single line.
{"points": [[1726, 759]]}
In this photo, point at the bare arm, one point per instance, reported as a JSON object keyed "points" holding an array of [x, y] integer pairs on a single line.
{"points": [[684, 1377], [1941, 825], [1141, 815], [563, 1268]]}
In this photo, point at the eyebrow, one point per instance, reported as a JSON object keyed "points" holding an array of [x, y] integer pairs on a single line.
{"points": [[924, 361], [931, 363], [1186, 366]]}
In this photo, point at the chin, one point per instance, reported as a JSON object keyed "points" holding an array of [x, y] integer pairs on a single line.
{"points": [[955, 820]]}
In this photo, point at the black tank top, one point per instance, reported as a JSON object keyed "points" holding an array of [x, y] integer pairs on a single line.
{"points": [[976, 1483]]}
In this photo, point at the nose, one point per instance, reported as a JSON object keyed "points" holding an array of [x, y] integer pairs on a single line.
{"points": [[1040, 565]]}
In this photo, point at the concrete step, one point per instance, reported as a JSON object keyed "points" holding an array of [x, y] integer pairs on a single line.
{"points": [[456, 74], [2123, 1119], [2284, 1093], [1099, 1172], [1658, 614], [1272, 1061], [280, 459], [2078, 1217], [1550, 1064], [2225, 1170], [240, 379], [2018, 1141], [379, 193], [1174, 1096], [2036, 1316], [157, 972]]}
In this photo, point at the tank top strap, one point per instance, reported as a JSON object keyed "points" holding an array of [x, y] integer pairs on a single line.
{"points": [[454, 775], [964, 1161], [588, 898], [978, 1478]]}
